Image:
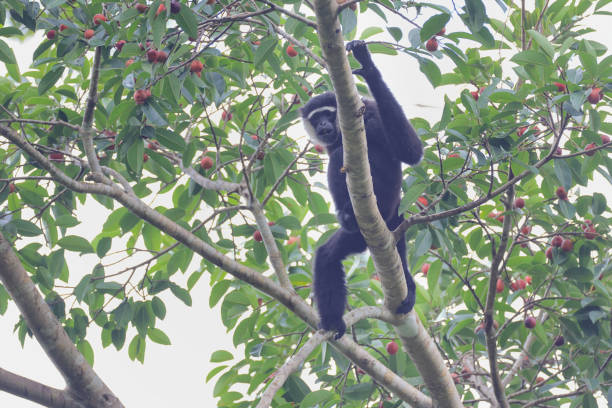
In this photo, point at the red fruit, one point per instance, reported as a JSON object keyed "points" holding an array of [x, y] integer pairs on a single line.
{"points": [[561, 193], [196, 66], [588, 147], [56, 156], [141, 7], [98, 18], [455, 378], [453, 155], [499, 287], [589, 232], [291, 51], [521, 284], [539, 380], [423, 201], [160, 9], [62, 27], [51, 34], [595, 95], [560, 86], [492, 214], [530, 322], [257, 236], [260, 155], [293, 240], [161, 56], [259, 301], [129, 62], [392, 347], [519, 203], [210, 1], [206, 162], [153, 145], [567, 245], [479, 328], [559, 341], [559, 151], [119, 44], [175, 7], [12, 187], [152, 56], [353, 6], [432, 44], [605, 139], [319, 148], [475, 95], [526, 229], [500, 218], [514, 286], [442, 31], [88, 33], [556, 241], [141, 96], [271, 223], [522, 130], [425, 268], [145, 157], [528, 279], [549, 253], [226, 116], [256, 42]]}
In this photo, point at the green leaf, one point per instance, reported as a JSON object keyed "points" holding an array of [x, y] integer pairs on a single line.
{"points": [[599, 203], [158, 336], [170, 139], [86, 350], [264, 50], [476, 13], [76, 244], [26, 228], [103, 246], [431, 71], [6, 53], [433, 26], [118, 338], [182, 294], [220, 356], [154, 114], [563, 173], [422, 242], [50, 78], [531, 57], [359, 392], [315, 398], [82, 288], [542, 42], [370, 31], [186, 19], [159, 308]]}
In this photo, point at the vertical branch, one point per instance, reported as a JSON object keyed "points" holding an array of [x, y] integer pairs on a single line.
{"points": [[498, 257], [86, 132]]}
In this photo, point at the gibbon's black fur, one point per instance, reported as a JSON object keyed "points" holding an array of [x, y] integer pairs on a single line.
{"points": [[391, 140]]}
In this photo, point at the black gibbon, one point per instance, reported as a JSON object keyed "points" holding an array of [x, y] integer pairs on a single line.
{"points": [[390, 140]]}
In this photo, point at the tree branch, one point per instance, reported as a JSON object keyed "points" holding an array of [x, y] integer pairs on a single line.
{"points": [[79, 375], [37, 392]]}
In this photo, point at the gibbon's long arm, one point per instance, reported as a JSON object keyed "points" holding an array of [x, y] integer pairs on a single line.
{"points": [[404, 141]]}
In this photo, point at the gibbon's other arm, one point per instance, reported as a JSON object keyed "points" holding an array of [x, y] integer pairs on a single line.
{"points": [[400, 134]]}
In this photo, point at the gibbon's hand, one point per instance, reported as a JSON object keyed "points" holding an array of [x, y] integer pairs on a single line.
{"points": [[362, 55]]}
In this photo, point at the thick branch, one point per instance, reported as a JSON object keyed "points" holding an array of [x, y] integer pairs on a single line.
{"points": [[379, 239], [36, 392], [49, 332], [86, 132]]}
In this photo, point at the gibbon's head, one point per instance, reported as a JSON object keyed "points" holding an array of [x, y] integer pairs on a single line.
{"points": [[319, 119]]}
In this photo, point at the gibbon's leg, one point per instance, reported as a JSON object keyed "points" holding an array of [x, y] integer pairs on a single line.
{"points": [[329, 282], [408, 303]]}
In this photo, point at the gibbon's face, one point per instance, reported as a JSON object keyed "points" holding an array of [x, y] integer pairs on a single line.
{"points": [[321, 125]]}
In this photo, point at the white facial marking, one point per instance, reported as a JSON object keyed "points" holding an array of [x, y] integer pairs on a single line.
{"points": [[321, 109]]}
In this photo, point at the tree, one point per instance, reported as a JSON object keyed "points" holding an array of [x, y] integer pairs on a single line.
{"points": [[176, 117]]}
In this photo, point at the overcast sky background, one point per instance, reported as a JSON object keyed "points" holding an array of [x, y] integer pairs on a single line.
{"points": [[176, 374]]}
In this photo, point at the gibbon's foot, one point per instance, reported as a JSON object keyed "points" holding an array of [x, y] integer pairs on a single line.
{"points": [[335, 325], [407, 304]]}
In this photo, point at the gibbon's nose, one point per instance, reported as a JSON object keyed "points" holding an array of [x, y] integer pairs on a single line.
{"points": [[324, 128]]}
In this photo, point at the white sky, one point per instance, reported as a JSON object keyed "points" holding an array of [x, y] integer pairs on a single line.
{"points": [[175, 375]]}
